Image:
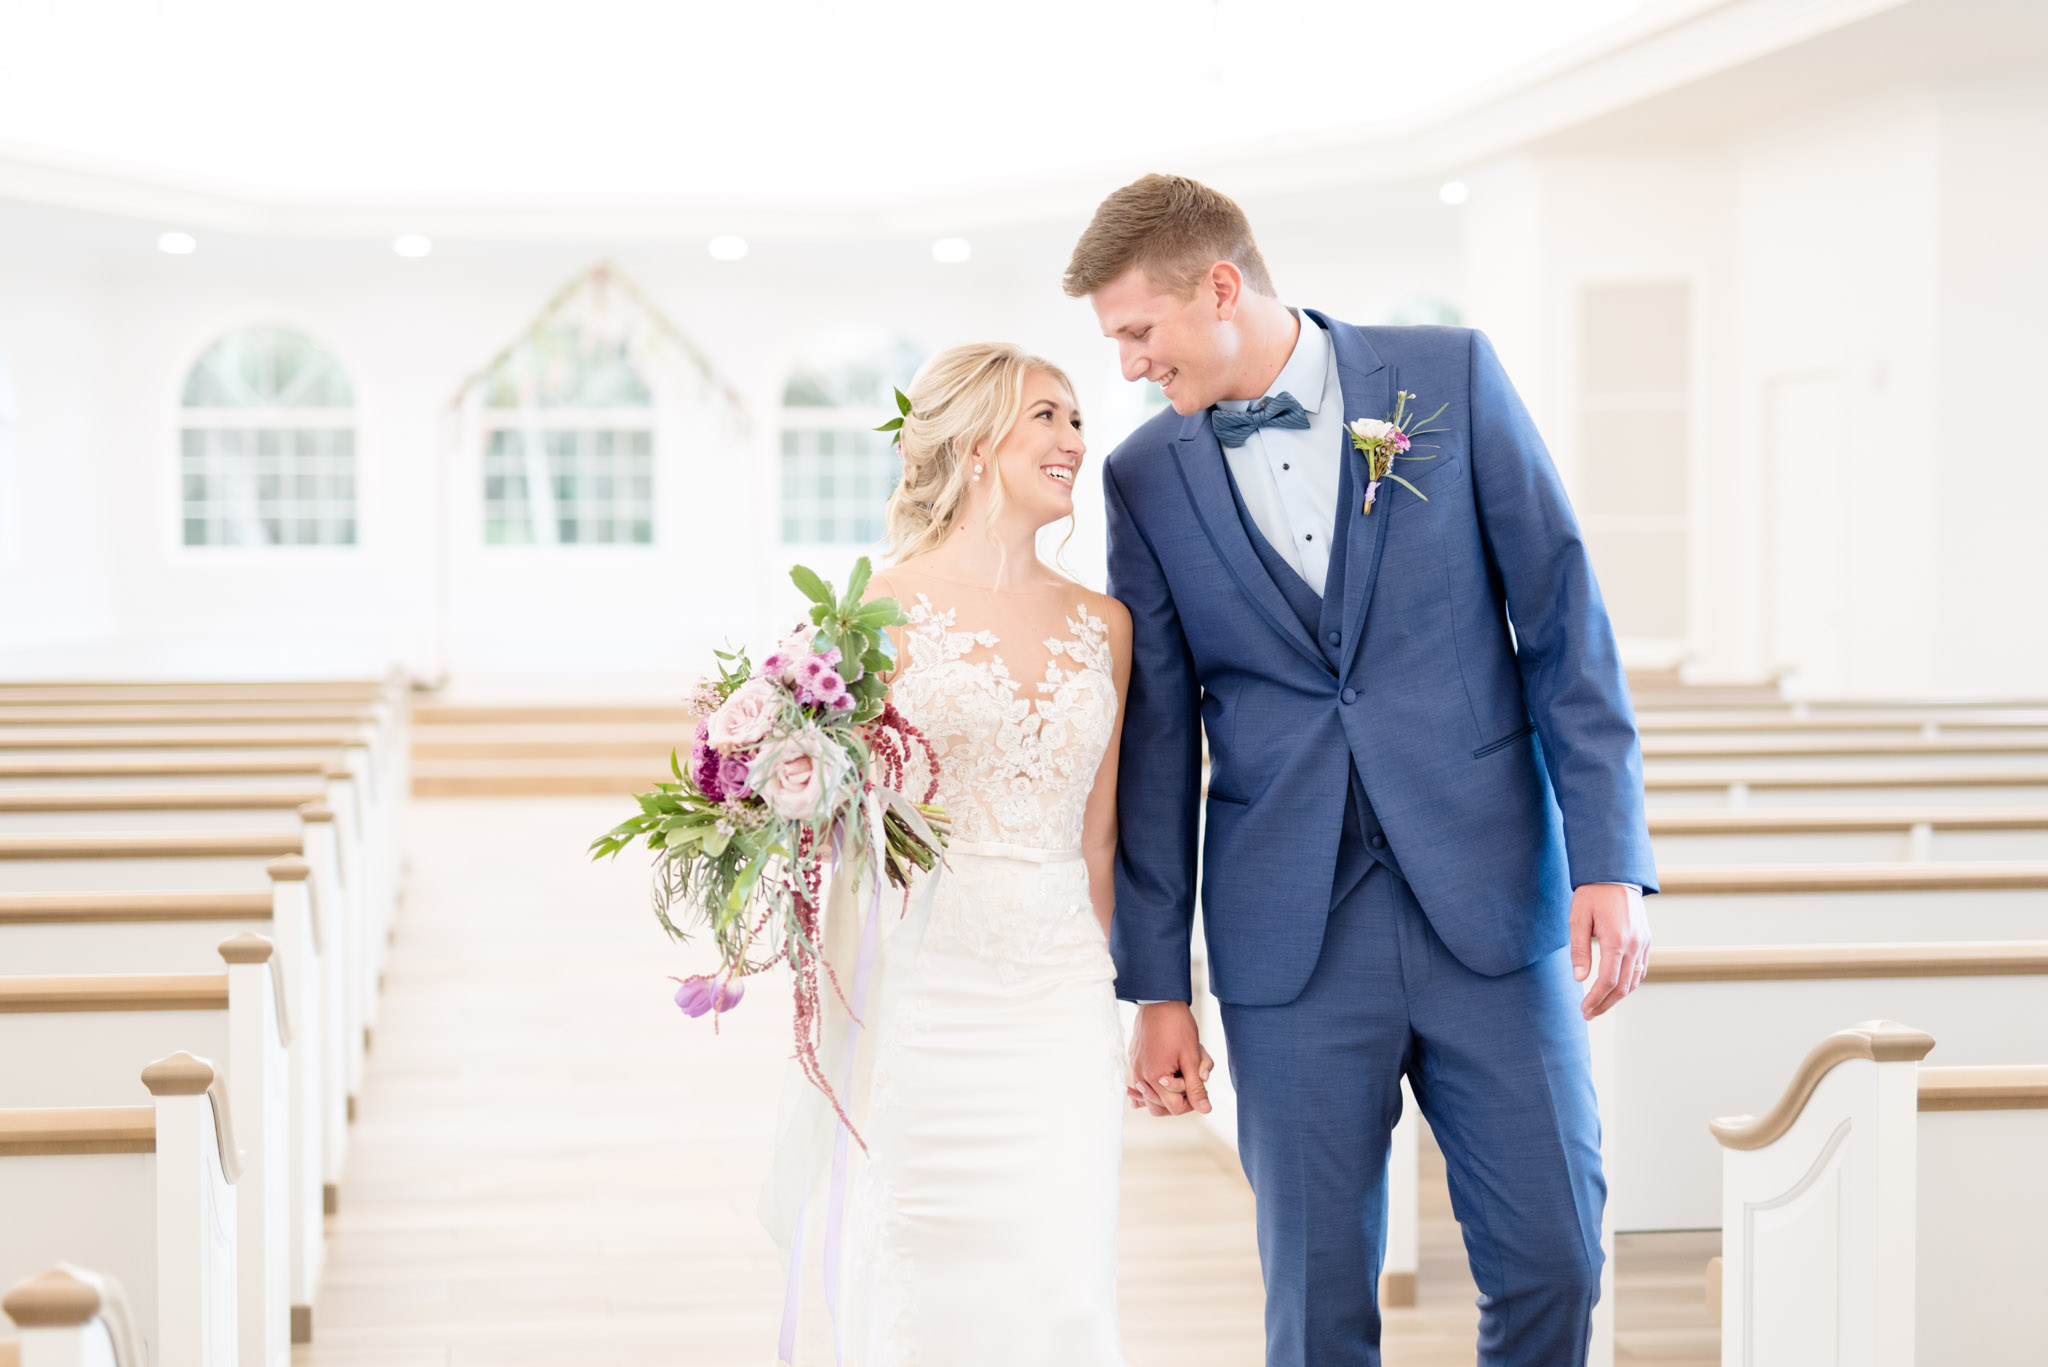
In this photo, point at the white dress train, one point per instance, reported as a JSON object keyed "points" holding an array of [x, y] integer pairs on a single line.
{"points": [[981, 1225]]}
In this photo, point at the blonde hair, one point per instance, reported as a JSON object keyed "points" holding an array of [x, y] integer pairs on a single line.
{"points": [[1176, 229], [964, 397]]}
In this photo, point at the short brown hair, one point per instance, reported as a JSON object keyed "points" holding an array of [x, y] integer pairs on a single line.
{"points": [[1175, 228]]}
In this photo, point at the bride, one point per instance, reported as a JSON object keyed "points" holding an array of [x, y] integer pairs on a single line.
{"points": [[983, 1221]]}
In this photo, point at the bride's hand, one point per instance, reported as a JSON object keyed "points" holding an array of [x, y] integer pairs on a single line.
{"points": [[1169, 1067]]}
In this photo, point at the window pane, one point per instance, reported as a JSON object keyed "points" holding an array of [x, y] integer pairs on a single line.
{"points": [[267, 487], [835, 484], [598, 485]]}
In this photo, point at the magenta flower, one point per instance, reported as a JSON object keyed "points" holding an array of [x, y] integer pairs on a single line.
{"points": [[706, 765], [699, 994]]}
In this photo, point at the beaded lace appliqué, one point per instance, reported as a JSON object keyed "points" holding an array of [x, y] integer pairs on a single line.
{"points": [[1016, 769]]}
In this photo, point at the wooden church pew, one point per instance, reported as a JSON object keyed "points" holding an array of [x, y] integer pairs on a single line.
{"points": [[1850, 903], [1690, 786], [181, 861], [78, 1041], [1709, 1020], [71, 1317], [363, 839], [1887, 1212], [1752, 835], [157, 932], [143, 1193], [92, 860]]}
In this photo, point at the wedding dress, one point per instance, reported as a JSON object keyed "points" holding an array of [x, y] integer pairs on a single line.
{"points": [[981, 1226]]}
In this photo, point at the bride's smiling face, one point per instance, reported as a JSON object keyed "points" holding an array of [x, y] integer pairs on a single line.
{"points": [[1040, 458]]}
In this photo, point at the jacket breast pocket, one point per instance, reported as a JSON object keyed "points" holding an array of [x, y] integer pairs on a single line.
{"points": [[1503, 743]]}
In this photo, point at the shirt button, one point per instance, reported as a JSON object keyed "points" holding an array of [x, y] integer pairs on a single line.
{"points": [[1285, 466], [1336, 638], [1349, 695], [1310, 536], [1379, 842]]}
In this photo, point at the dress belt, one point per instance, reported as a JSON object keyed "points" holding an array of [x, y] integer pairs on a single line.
{"points": [[996, 849]]}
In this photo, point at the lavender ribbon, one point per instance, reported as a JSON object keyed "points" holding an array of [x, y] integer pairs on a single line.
{"points": [[835, 1196], [1372, 491]]}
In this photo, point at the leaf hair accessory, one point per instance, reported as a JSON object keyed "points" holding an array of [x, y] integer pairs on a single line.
{"points": [[895, 424]]}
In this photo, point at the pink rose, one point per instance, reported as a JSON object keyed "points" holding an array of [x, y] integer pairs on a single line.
{"points": [[745, 717], [803, 776]]}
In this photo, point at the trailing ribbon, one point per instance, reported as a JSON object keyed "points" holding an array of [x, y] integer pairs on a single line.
{"points": [[835, 1195]]}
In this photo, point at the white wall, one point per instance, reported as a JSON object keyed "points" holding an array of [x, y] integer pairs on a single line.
{"points": [[1867, 276], [99, 330]]}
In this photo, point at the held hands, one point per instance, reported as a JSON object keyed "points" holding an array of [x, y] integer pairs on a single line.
{"points": [[1611, 913], [1169, 1067]]}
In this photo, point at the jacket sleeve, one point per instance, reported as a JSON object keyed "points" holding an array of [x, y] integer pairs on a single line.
{"points": [[1159, 775], [1571, 670]]}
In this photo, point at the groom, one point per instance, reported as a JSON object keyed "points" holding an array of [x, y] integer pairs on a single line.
{"points": [[1424, 800]]}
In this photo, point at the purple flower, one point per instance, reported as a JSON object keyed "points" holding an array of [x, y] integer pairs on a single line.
{"points": [[1400, 440], [706, 765], [701, 993], [807, 673], [732, 775]]}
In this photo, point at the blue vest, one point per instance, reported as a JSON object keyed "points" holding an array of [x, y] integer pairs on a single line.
{"points": [[1323, 617]]}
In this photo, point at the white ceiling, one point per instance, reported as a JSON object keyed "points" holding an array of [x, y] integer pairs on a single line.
{"points": [[807, 105]]}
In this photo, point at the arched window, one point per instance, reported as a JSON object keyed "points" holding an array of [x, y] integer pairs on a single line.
{"points": [[267, 444], [837, 471], [568, 444]]}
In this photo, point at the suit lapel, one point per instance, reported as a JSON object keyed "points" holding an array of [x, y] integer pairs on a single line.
{"points": [[1208, 485], [1368, 386]]}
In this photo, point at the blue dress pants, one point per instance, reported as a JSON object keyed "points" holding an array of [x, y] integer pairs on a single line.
{"points": [[1500, 1068]]}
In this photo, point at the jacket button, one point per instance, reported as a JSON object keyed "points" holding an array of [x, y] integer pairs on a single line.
{"points": [[1379, 842], [1336, 638], [1350, 695]]}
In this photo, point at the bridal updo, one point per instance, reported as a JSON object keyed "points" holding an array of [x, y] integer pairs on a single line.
{"points": [[964, 397]]}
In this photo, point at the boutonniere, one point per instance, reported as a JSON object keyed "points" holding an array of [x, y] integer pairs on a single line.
{"points": [[1387, 440]]}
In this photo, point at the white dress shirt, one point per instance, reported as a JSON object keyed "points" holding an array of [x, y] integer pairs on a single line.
{"points": [[1288, 479]]}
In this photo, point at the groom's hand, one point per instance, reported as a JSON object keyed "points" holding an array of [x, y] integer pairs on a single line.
{"points": [[1169, 1066], [1611, 913]]}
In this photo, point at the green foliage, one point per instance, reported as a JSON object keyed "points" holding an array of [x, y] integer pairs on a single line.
{"points": [[859, 631], [894, 424]]}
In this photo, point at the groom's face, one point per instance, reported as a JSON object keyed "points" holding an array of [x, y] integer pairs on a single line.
{"points": [[1184, 346]]}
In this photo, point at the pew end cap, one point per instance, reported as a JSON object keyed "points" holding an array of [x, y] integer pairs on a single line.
{"points": [[246, 948], [1880, 1041], [56, 1299]]}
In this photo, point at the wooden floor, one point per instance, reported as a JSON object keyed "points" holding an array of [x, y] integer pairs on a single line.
{"points": [[552, 1166]]}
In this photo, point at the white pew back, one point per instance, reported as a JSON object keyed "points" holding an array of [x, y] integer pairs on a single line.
{"points": [[82, 933], [1851, 903], [1886, 1213], [1709, 1022], [79, 1041], [145, 1193]]}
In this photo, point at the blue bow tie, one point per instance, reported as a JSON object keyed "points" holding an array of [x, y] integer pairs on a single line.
{"points": [[1275, 410]]}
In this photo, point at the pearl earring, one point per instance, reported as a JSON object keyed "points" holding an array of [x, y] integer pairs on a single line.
{"points": [[977, 470]]}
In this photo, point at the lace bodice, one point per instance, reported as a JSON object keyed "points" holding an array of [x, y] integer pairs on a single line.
{"points": [[1016, 766]]}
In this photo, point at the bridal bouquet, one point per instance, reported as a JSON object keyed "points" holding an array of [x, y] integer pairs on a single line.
{"points": [[796, 765]]}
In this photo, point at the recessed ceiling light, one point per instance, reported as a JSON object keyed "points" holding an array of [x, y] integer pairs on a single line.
{"points": [[1454, 192], [727, 247], [412, 244], [177, 244], [951, 251]]}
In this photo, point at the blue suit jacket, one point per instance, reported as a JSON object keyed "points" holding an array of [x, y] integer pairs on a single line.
{"points": [[1502, 761]]}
